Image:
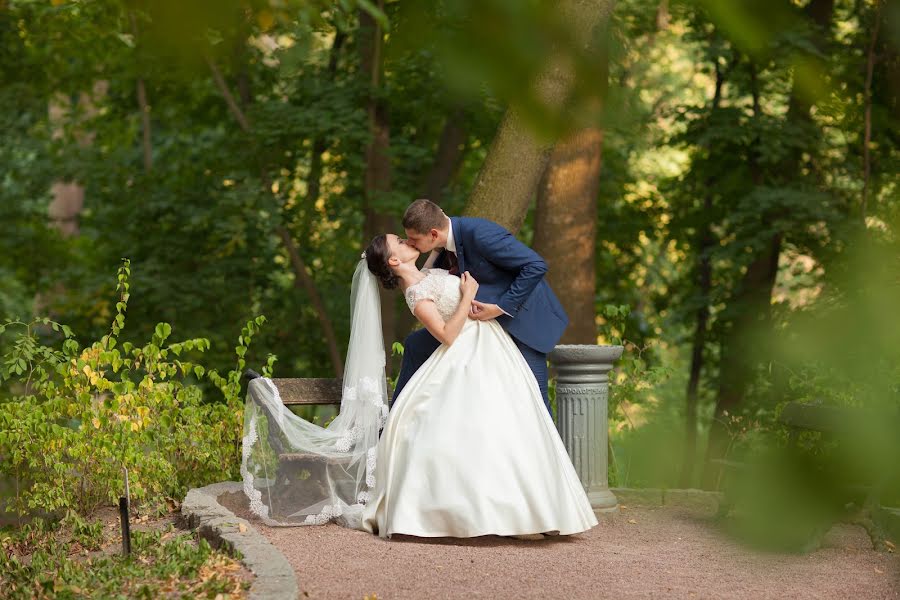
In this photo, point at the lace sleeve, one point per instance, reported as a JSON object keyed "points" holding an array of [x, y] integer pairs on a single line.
{"points": [[424, 290]]}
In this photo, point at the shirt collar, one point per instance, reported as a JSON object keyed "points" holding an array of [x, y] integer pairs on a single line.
{"points": [[451, 243]]}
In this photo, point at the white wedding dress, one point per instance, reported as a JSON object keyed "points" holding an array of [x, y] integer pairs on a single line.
{"points": [[469, 448]]}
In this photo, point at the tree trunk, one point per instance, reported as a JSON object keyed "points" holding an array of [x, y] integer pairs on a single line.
{"points": [[68, 196], [740, 351], [705, 242], [378, 160], [451, 147], [565, 222], [662, 15], [565, 229], [704, 282], [517, 158], [867, 100]]}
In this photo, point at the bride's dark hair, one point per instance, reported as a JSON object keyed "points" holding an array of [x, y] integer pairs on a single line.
{"points": [[377, 255]]}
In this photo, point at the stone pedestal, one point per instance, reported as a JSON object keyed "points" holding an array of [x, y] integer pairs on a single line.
{"points": [[582, 392]]}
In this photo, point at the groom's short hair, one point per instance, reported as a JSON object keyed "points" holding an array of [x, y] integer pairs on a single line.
{"points": [[424, 215]]}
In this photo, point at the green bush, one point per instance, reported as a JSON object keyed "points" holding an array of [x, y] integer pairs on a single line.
{"points": [[78, 417]]}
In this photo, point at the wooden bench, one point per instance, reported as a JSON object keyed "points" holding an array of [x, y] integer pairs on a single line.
{"points": [[860, 499]]}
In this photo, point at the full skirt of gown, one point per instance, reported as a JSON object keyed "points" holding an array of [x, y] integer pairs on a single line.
{"points": [[469, 449]]}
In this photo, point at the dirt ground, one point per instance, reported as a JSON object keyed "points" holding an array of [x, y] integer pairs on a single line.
{"points": [[642, 553]]}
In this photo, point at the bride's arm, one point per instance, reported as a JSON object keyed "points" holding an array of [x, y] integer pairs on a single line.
{"points": [[446, 332]]}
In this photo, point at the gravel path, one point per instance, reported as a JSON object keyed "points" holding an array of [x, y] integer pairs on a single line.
{"points": [[643, 553]]}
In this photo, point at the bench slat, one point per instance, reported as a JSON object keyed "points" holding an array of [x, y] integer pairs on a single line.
{"points": [[818, 417], [309, 391], [314, 458]]}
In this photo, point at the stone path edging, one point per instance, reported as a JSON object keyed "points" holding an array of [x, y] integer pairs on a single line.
{"points": [[275, 578], [668, 497], [889, 520]]}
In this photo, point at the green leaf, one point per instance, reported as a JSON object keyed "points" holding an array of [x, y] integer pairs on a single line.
{"points": [[126, 38], [163, 330]]}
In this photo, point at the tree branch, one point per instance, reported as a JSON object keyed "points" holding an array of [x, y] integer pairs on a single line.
{"points": [[867, 134], [233, 107], [297, 263]]}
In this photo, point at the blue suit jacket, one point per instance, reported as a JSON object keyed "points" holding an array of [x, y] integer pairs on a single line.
{"points": [[510, 275]]}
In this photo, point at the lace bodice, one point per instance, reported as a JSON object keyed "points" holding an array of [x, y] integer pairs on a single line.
{"points": [[439, 286]]}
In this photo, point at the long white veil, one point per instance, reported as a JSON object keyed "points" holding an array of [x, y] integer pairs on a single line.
{"points": [[299, 473]]}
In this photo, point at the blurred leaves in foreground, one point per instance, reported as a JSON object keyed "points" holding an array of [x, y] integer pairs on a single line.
{"points": [[837, 455]]}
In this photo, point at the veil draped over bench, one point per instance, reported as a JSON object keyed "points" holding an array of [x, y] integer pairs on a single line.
{"points": [[299, 473]]}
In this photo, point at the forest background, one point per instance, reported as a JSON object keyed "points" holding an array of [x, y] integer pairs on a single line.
{"points": [[715, 183]]}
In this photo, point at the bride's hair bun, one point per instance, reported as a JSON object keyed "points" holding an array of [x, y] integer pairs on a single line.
{"points": [[376, 256]]}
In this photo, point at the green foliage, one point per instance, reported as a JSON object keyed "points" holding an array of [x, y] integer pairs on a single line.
{"points": [[635, 388], [634, 376], [43, 562], [78, 417], [839, 354], [689, 176], [396, 351]]}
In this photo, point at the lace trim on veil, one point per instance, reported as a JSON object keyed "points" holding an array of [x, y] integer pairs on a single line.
{"points": [[332, 512], [254, 495], [337, 482]]}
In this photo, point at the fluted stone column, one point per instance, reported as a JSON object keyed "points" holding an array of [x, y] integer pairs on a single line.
{"points": [[582, 393]]}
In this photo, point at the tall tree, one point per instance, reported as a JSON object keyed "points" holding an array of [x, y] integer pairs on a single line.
{"points": [[518, 157], [565, 219], [565, 229]]}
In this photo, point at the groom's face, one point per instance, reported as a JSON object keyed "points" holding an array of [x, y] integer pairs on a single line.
{"points": [[423, 242]]}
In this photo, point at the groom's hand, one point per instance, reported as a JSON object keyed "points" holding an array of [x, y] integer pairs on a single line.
{"points": [[482, 311]]}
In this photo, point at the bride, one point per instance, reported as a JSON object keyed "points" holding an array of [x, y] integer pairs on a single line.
{"points": [[468, 448]]}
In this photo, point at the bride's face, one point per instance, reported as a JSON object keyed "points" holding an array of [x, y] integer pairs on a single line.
{"points": [[400, 250]]}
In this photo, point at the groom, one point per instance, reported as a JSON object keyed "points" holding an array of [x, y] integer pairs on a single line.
{"points": [[511, 285]]}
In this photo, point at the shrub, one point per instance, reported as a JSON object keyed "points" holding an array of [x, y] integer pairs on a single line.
{"points": [[78, 417]]}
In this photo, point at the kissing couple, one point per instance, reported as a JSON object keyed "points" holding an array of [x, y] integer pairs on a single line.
{"points": [[468, 446]]}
